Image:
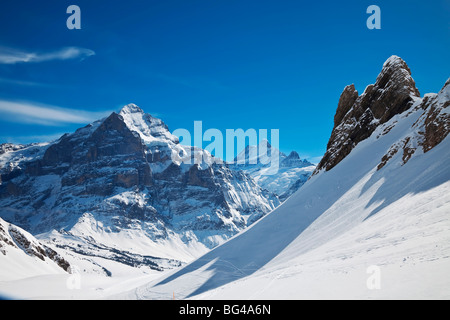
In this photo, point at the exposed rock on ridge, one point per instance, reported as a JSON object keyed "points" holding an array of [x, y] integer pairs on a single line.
{"points": [[358, 116]]}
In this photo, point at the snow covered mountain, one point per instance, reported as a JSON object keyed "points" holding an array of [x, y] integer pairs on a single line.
{"points": [[377, 207], [22, 255], [291, 174], [111, 191]]}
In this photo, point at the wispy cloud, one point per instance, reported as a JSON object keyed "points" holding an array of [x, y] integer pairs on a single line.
{"points": [[13, 56], [25, 83], [28, 112], [31, 138]]}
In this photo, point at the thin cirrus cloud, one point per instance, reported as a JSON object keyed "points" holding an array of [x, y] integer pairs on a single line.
{"points": [[31, 138], [8, 81], [32, 113], [14, 56]]}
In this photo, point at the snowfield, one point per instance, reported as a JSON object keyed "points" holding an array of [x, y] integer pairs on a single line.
{"points": [[409, 242]]}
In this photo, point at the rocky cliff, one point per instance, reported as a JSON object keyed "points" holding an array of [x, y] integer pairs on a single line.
{"points": [[394, 92]]}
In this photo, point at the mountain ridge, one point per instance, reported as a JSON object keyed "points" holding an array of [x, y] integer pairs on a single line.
{"points": [[292, 172]]}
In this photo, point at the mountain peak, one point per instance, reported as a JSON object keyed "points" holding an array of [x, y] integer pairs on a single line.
{"points": [[397, 62], [151, 130], [130, 108], [293, 155], [265, 143], [254, 154], [293, 160], [396, 75]]}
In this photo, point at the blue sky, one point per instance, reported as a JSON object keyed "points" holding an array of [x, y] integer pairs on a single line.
{"points": [[231, 64]]}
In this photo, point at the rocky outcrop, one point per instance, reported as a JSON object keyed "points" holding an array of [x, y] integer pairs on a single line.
{"points": [[357, 117], [346, 101], [14, 237], [430, 129], [437, 120], [393, 93]]}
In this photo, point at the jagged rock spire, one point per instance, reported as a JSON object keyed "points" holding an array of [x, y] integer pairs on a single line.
{"points": [[357, 116]]}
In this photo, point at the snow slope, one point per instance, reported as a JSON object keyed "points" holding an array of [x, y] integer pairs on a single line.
{"points": [[22, 255], [324, 239]]}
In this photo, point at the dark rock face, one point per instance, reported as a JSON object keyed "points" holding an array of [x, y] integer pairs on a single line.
{"points": [[392, 92], [110, 138], [437, 123], [83, 158], [346, 101], [358, 116], [113, 138]]}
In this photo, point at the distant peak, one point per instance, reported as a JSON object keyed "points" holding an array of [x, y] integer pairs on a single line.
{"points": [[131, 108], [293, 155], [266, 143], [262, 143]]}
